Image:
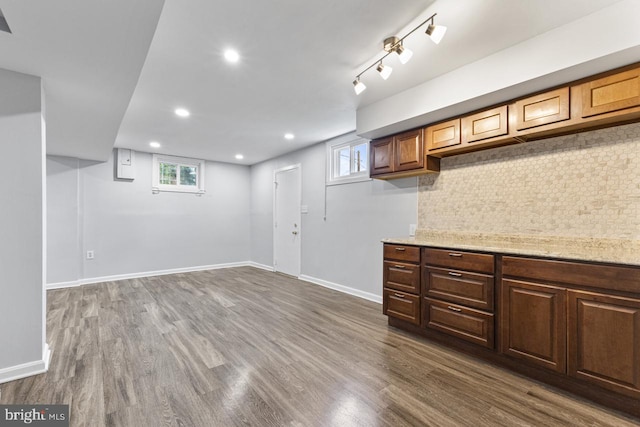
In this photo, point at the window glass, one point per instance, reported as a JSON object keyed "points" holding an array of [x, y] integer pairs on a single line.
{"points": [[188, 175], [168, 174], [348, 161]]}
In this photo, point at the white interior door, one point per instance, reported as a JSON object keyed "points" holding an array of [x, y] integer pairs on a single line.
{"points": [[286, 227]]}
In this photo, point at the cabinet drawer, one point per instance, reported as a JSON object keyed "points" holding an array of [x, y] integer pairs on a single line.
{"points": [[486, 124], [613, 93], [458, 260], [549, 107], [470, 289], [402, 276], [443, 135], [401, 305], [402, 253], [465, 323]]}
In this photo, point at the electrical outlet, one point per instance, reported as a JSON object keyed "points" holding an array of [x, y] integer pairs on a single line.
{"points": [[412, 229], [90, 255]]}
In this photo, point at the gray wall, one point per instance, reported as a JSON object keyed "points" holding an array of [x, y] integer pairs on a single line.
{"points": [[134, 231], [21, 221], [345, 248]]}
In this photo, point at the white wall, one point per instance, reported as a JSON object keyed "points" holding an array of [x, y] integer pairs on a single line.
{"points": [[22, 296], [344, 249], [133, 231]]}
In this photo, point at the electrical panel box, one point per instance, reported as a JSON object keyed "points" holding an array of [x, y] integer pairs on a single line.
{"points": [[125, 164]]}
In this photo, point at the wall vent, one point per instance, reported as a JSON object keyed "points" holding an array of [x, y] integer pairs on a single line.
{"points": [[3, 23]]}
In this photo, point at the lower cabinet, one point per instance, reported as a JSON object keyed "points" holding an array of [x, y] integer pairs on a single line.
{"points": [[604, 341], [462, 322], [534, 323], [570, 323], [401, 305]]}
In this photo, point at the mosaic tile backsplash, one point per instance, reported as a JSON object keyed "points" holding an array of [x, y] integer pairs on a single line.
{"points": [[581, 185]]}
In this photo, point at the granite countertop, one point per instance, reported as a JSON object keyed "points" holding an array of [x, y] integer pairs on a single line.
{"points": [[616, 251]]}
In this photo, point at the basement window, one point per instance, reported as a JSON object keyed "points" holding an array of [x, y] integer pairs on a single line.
{"points": [[179, 174], [348, 162]]}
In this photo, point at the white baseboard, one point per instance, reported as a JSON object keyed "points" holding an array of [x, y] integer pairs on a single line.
{"points": [[117, 277], [261, 266], [347, 290], [28, 369]]}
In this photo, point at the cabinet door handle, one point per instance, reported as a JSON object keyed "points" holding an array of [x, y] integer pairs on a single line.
{"points": [[399, 266], [451, 273], [457, 310], [399, 295], [455, 254], [400, 249]]}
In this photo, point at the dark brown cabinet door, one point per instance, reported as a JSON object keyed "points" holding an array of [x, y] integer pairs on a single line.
{"points": [[409, 151], [534, 323], [604, 341], [381, 156]]}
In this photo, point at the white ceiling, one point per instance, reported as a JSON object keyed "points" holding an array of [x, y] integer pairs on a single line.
{"points": [[298, 59]]}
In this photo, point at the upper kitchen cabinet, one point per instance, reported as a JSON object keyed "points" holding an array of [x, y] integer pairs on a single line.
{"points": [[381, 156], [609, 99], [401, 155], [543, 109], [613, 93], [485, 124], [443, 135], [409, 153]]}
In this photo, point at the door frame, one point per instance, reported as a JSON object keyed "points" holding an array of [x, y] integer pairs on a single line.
{"points": [[299, 214]]}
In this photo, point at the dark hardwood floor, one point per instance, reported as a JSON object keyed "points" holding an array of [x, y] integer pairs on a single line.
{"points": [[242, 346]]}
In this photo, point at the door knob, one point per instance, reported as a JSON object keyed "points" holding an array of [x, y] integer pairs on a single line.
{"points": [[294, 232]]}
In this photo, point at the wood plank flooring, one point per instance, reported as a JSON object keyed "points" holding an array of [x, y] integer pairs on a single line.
{"points": [[246, 347]]}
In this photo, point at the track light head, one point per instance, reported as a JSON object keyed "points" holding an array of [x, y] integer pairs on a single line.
{"points": [[358, 86], [384, 70], [404, 54], [394, 44], [436, 32]]}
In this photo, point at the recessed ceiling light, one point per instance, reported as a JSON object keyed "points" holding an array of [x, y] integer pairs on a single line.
{"points": [[289, 136], [154, 144], [239, 156], [182, 112], [231, 55]]}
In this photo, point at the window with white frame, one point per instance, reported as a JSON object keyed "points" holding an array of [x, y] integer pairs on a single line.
{"points": [[179, 174], [348, 161]]}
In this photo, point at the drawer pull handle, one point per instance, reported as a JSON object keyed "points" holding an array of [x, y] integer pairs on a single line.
{"points": [[457, 310], [399, 266], [400, 249], [451, 273], [455, 254], [399, 295]]}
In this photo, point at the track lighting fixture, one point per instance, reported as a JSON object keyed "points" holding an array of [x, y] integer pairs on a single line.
{"points": [[394, 44]]}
